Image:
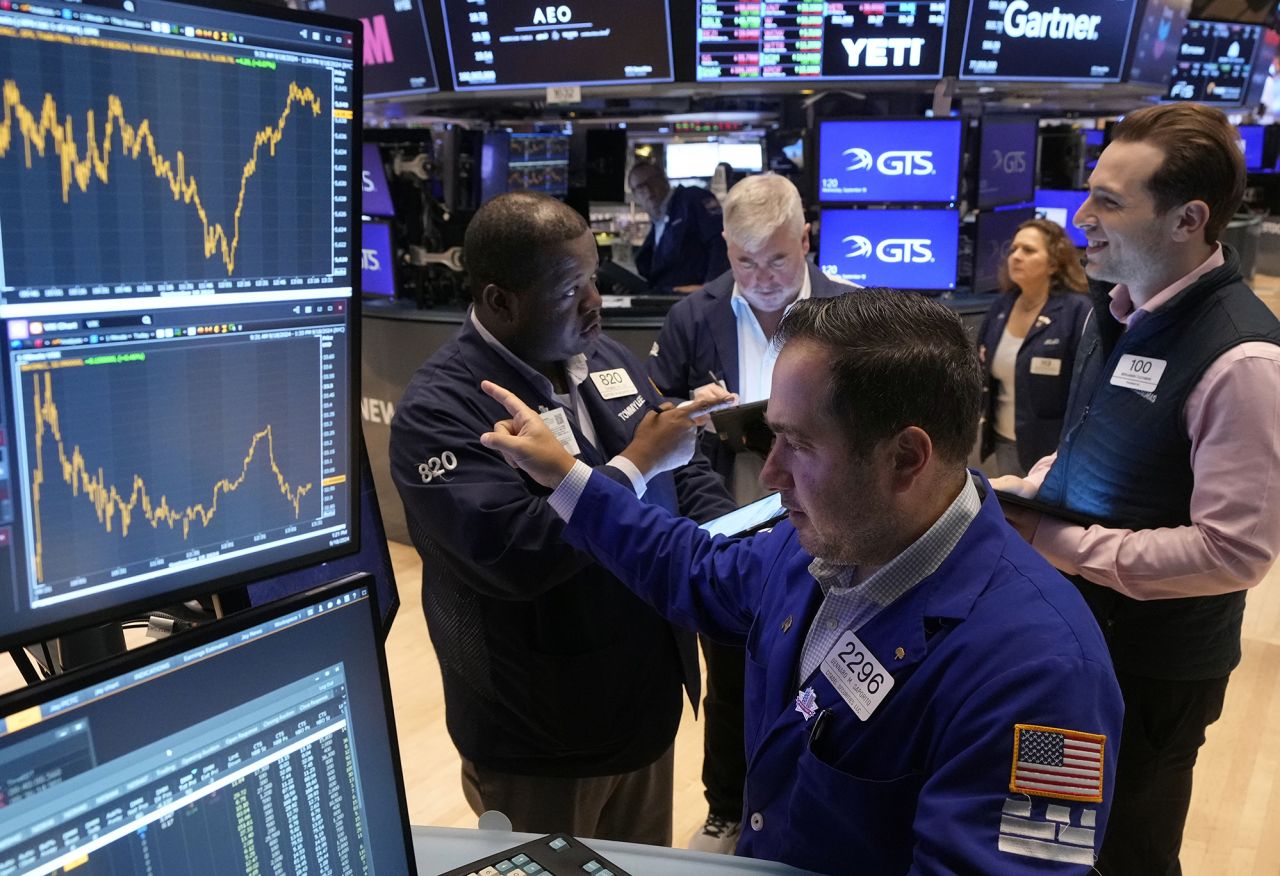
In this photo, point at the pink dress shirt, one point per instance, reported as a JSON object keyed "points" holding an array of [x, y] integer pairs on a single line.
{"points": [[1232, 417]]}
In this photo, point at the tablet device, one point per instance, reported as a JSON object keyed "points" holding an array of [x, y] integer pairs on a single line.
{"points": [[1045, 508], [743, 427], [749, 518]]}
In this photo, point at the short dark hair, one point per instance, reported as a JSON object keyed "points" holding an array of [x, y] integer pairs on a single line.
{"points": [[508, 239], [1202, 158], [898, 359]]}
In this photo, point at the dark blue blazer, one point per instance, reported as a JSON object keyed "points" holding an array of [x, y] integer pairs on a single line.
{"points": [[550, 665], [1040, 400], [692, 250], [700, 338]]}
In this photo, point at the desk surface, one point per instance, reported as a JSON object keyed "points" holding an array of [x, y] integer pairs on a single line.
{"points": [[439, 849]]}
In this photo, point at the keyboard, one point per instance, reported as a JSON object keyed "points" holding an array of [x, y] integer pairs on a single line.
{"points": [[555, 854]]}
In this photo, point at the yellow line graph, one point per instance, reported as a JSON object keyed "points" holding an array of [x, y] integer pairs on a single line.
{"points": [[37, 132], [108, 502]]}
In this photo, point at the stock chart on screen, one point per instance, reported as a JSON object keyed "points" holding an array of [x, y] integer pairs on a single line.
{"points": [[177, 211]]}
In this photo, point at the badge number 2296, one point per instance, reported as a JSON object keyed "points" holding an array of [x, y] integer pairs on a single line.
{"points": [[857, 675]]}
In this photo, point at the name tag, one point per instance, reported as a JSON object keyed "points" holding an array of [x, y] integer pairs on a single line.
{"points": [[857, 675], [1138, 372], [613, 383], [558, 422], [1046, 366]]}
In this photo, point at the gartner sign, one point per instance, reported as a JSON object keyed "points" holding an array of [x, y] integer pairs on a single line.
{"points": [[905, 249], [1082, 40], [865, 161]]}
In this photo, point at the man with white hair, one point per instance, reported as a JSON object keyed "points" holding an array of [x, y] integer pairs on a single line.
{"points": [[720, 339]]}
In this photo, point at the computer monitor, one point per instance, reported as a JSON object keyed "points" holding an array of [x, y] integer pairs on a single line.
{"points": [[1215, 62], [995, 231], [374, 557], [375, 194], [893, 162], [1060, 206], [903, 249], [264, 742], [398, 61], [699, 160], [1155, 42], [377, 261], [1084, 41], [539, 162], [1007, 160], [520, 45], [178, 311], [897, 39], [1252, 137]]}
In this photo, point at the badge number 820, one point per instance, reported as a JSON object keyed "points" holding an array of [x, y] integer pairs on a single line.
{"points": [[436, 466], [859, 662]]}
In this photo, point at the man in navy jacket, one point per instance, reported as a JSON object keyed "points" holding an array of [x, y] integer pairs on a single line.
{"points": [[719, 339], [562, 689], [684, 248], [925, 693]]}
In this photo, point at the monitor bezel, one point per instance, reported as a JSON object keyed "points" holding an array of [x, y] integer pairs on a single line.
{"points": [[822, 126], [49, 689], [525, 88], [125, 608]]}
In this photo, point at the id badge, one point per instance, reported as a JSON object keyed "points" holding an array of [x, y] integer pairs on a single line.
{"points": [[558, 422], [857, 675], [614, 383], [1138, 372]]}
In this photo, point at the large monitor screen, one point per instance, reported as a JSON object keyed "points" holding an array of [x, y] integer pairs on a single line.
{"points": [[523, 44], [798, 40], [176, 303], [397, 51], [1155, 47], [875, 161], [995, 231], [377, 267], [1252, 137], [375, 194], [263, 743], [903, 249], [1060, 206], [699, 160], [539, 162], [1007, 160], [1215, 62], [1047, 39]]}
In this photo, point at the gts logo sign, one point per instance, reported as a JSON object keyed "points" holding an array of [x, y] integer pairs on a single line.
{"points": [[893, 251], [895, 163], [1013, 161], [369, 260]]}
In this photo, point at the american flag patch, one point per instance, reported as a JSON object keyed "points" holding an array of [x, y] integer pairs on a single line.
{"points": [[1051, 762]]}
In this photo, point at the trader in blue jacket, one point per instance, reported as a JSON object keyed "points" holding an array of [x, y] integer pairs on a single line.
{"points": [[925, 694], [684, 248], [720, 340], [562, 689]]}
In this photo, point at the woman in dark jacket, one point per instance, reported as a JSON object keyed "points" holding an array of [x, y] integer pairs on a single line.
{"points": [[1027, 345]]}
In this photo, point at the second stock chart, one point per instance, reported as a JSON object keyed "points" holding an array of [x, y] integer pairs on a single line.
{"points": [[152, 165], [168, 448]]}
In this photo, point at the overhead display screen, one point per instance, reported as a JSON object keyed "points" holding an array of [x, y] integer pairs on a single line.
{"points": [[397, 53], [902, 249], [1156, 45], [794, 39], [520, 44], [1039, 39], [1215, 61], [1007, 161], [874, 161]]}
